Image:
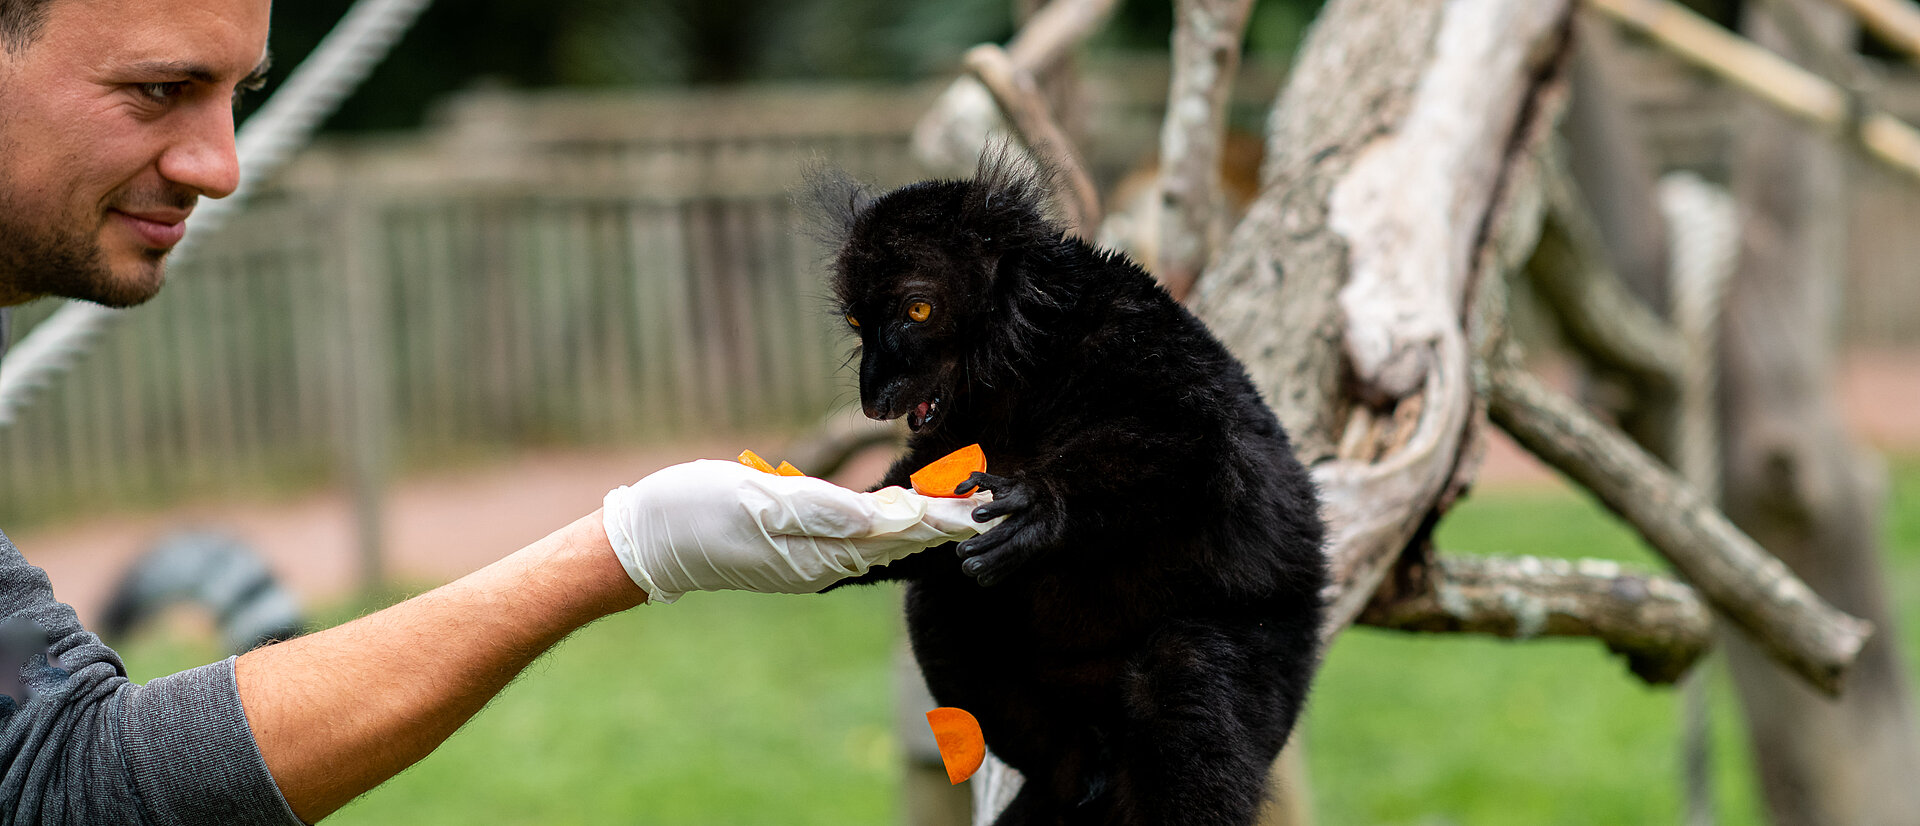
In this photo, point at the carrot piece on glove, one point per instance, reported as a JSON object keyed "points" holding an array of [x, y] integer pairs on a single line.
{"points": [[753, 460], [945, 474]]}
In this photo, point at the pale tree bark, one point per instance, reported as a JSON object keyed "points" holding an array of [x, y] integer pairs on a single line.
{"points": [[1798, 485], [1345, 287]]}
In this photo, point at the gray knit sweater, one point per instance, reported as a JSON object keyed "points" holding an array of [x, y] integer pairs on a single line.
{"points": [[85, 745]]}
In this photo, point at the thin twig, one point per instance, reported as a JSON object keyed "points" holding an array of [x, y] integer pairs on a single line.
{"points": [[1019, 98], [950, 137], [1895, 21], [1055, 29], [1770, 77]]}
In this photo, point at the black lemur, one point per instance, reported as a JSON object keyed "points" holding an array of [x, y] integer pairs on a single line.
{"points": [[1137, 637]]}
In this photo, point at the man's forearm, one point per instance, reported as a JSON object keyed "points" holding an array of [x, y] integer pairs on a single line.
{"points": [[339, 711]]}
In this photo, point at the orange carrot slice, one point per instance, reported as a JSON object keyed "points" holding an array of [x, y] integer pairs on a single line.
{"points": [[753, 460], [962, 747], [787, 469], [947, 472]]}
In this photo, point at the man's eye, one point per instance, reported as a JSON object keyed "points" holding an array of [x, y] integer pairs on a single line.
{"points": [[162, 92]]}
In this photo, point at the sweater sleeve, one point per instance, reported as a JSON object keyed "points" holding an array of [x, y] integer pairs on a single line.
{"points": [[86, 745]]}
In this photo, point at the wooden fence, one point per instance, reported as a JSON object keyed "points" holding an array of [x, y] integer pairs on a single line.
{"points": [[594, 268], [398, 304]]}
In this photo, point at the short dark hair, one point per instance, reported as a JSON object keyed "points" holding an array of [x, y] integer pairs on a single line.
{"points": [[20, 22]]}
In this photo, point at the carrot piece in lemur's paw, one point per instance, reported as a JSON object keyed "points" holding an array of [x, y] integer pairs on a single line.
{"points": [[946, 473], [753, 460], [962, 747], [787, 469]]}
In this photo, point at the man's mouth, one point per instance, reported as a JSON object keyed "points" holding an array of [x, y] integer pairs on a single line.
{"points": [[924, 415], [157, 229]]}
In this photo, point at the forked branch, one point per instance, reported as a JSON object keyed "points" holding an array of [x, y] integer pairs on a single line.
{"points": [[1738, 578]]}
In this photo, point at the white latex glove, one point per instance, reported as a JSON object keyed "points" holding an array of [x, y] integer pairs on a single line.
{"points": [[712, 525]]}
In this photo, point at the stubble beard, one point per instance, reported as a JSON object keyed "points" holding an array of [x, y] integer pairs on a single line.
{"points": [[40, 260]]}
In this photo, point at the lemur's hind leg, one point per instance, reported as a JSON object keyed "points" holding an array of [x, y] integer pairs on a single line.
{"points": [[1208, 707]]}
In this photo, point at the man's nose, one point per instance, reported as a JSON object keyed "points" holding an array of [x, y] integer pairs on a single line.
{"points": [[203, 156]]}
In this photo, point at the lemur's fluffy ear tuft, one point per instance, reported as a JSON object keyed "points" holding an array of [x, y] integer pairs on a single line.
{"points": [[832, 201], [1012, 195]]}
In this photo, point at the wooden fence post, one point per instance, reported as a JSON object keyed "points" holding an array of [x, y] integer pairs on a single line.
{"points": [[365, 398]]}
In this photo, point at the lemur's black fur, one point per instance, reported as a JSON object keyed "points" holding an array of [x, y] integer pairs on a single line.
{"points": [[1137, 637]]}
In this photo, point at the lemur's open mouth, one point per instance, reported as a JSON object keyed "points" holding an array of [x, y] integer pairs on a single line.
{"points": [[923, 415]]}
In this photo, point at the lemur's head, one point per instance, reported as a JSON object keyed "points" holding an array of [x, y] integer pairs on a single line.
{"points": [[921, 275]]}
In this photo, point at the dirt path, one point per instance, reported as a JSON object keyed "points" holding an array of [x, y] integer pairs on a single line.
{"points": [[439, 526], [446, 524]]}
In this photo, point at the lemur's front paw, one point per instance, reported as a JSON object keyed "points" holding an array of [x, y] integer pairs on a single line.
{"points": [[1030, 528]]}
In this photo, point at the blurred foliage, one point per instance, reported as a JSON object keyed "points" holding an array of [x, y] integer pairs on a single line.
{"points": [[544, 43]]}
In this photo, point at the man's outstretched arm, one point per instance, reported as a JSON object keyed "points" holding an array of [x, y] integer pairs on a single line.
{"points": [[339, 711]]}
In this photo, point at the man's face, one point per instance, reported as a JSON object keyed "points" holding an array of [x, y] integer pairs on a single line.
{"points": [[113, 122]]}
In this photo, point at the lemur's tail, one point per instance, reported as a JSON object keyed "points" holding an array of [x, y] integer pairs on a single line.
{"points": [[217, 572]]}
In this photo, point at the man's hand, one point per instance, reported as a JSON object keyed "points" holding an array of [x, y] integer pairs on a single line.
{"points": [[713, 525]]}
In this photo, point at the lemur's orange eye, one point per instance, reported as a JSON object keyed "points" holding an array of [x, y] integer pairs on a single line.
{"points": [[852, 322], [919, 311]]}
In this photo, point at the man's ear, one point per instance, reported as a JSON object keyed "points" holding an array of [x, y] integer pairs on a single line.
{"points": [[832, 201]]}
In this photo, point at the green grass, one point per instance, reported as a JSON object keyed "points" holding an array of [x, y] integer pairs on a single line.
{"points": [[730, 708], [1442, 729]]}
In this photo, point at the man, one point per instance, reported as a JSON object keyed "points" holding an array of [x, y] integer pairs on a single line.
{"points": [[116, 116]]}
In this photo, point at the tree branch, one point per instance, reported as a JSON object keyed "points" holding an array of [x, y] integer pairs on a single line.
{"points": [[1740, 580], [1206, 56], [950, 137], [1018, 96], [1770, 77], [1659, 624]]}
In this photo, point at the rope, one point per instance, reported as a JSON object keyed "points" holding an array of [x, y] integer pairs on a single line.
{"points": [[1704, 227], [362, 38]]}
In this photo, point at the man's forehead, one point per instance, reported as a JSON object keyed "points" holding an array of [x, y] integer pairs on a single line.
{"points": [[203, 37]]}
